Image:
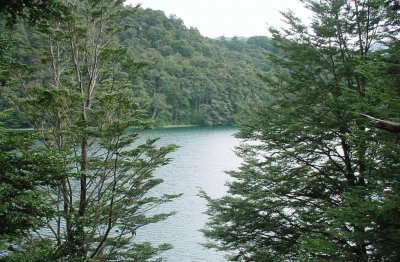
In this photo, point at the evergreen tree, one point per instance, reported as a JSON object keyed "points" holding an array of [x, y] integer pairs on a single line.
{"points": [[25, 171], [33, 11], [319, 183]]}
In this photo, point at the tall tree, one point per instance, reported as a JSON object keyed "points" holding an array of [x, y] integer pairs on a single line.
{"points": [[82, 104], [318, 184]]}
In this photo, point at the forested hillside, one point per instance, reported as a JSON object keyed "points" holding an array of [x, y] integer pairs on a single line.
{"points": [[186, 78]]}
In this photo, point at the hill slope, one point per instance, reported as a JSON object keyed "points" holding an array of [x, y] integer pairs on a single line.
{"points": [[188, 79], [191, 79]]}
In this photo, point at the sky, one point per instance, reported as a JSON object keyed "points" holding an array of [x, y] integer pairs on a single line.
{"points": [[214, 18]]}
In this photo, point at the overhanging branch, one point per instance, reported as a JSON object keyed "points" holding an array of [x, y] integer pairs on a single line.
{"points": [[384, 124]]}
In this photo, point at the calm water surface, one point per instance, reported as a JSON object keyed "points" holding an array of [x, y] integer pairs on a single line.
{"points": [[200, 162]]}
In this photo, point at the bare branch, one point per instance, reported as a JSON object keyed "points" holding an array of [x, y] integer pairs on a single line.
{"points": [[384, 124]]}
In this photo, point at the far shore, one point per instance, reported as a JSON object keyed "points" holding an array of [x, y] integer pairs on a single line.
{"points": [[23, 130], [175, 126]]}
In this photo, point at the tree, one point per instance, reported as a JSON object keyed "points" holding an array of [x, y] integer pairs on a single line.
{"points": [[81, 102], [33, 11], [317, 184], [24, 170], [384, 124]]}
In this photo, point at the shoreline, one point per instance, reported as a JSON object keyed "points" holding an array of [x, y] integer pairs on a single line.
{"points": [[23, 130], [176, 126]]}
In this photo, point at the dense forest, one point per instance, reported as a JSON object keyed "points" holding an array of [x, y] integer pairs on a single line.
{"points": [[186, 78], [192, 79]]}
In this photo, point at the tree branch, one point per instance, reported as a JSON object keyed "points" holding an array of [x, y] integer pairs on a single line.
{"points": [[384, 124]]}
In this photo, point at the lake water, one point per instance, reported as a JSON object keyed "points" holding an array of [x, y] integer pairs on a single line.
{"points": [[199, 164]]}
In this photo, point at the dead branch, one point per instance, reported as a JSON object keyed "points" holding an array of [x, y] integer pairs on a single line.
{"points": [[384, 124]]}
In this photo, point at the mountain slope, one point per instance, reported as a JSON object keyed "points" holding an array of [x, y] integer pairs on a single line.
{"points": [[191, 79]]}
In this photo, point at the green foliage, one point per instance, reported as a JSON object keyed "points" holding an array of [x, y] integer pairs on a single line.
{"points": [[191, 79], [318, 183], [25, 172], [8, 65], [39, 250], [79, 96], [33, 11]]}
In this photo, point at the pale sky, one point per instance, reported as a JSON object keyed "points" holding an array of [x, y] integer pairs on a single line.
{"points": [[214, 18]]}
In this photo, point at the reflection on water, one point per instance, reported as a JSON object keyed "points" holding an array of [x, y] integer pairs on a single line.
{"points": [[204, 154]]}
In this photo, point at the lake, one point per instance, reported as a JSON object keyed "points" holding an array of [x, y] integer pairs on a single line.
{"points": [[199, 164]]}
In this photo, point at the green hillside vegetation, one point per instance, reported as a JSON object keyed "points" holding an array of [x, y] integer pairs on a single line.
{"points": [[187, 78], [191, 79]]}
